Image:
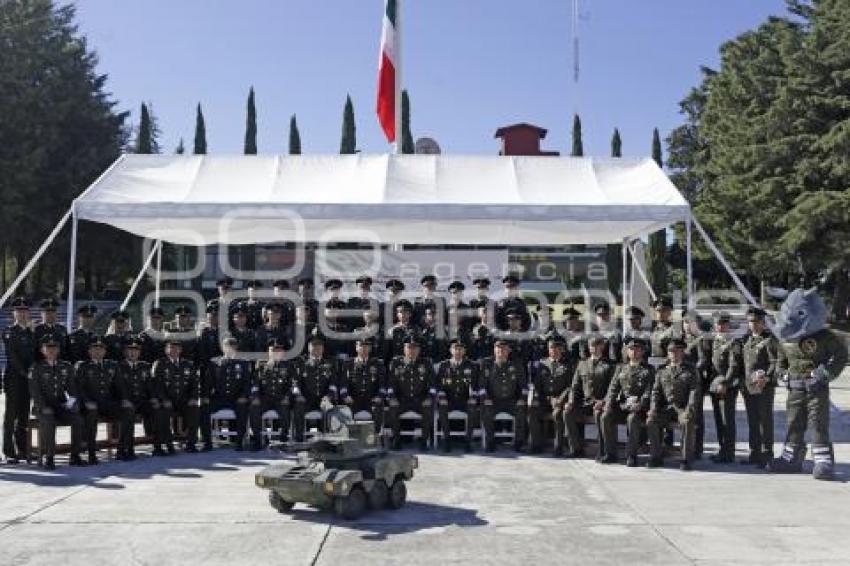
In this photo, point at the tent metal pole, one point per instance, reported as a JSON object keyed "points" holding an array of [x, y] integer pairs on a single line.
{"points": [[722, 259], [626, 302], [141, 274], [636, 267], [158, 272], [690, 264], [72, 269], [31, 263]]}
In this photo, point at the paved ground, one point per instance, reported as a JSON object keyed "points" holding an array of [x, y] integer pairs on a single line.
{"points": [[469, 509]]}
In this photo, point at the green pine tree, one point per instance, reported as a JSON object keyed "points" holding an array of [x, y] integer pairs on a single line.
{"points": [[181, 149], [200, 133], [407, 145], [144, 137], [578, 144], [294, 137], [251, 126], [657, 248], [348, 143]]}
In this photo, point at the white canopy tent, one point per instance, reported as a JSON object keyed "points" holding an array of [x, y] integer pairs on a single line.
{"points": [[387, 199]]}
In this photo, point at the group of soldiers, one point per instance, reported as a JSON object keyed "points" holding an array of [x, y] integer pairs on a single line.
{"points": [[432, 355]]}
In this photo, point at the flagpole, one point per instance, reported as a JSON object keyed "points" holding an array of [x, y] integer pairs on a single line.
{"points": [[398, 66]]}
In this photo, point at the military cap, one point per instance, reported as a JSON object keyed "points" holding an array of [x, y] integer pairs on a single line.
{"points": [[119, 315], [212, 307], [316, 338], [230, 341], [133, 342], [557, 340], [281, 284], [756, 313], [332, 284], [722, 317], [513, 314], [404, 304], [240, 308], [663, 303], [428, 280], [183, 309], [571, 313], [502, 342], [481, 283], [365, 340], [596, 339], [690, 315], [305, 281], [602, 308], [411, 338], [635, 342], [21, 303], [87, 310], [253, 284], [395, 285], [510, 280], [49, 304], [363, 280], [457, 286], [457, 342], [274, 307], [224, 282], [277, 344], [173, 339], [49, 340], [635, 312], [97, 341], [156, 311], [677, 343]]}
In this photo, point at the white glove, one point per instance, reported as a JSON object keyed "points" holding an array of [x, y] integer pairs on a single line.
{"points": [[69, 404]]}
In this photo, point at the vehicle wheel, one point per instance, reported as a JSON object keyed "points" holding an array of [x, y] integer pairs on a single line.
{"points": [[398, 495], [279, 503], [351, 507], [379, 496]]}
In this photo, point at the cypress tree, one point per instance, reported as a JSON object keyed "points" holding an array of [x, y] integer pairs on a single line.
{"points": [[578, 145], [348, 143], [200, 133], [294, 137], [181, 149], [251, 126], [407, 145], [616, 144], [144, 140], [657, 248], [613, 252]]}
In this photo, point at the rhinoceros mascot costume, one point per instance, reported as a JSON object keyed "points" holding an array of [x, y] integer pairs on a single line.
{"points": [[810, 357]]}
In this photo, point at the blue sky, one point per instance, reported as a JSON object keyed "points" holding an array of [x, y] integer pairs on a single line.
{"points": [[470, 66]]}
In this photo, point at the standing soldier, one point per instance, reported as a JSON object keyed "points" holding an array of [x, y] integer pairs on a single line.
{"points": [[20, 348], [410, 386], [432, 337], [208, 348], [511, 302], [362, 302], [395, 289], [244, 336], [551, 378], [97, 383], [674, 397], [399, 332], [117, 335], [54, 397], [482, 337], [223, 286], [521, 346], [228, 386], [662, 331], [183, 328], [177, 391], [361, 382], [273, 330], [78, 340], [758, 386], [608, 329], [273, 390], [49, 325], [587, 396], [727, 367], [302, 330], [153, 337], [306, 290], [370, 328], [457, 383], [698, 353], [252, 306], [335, 329], [635, 316], [427, 300], [482, 291], [287, 309], [317, 378], [627, 402], [459, 316], [504, 389], [136, 392]]}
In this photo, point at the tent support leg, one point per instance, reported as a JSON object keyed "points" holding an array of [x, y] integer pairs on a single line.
{"points": [[158, 272], [722, 259], [690, 264], [72, 271], [141, 274], [626, 302], [636, 267]]}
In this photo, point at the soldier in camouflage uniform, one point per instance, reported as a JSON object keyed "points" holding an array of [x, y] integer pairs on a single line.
{"points": [[504, 389], [317, 378], [457, 383], [810, 356], [627, 402], [20, 346], [362, 380], [587, 396], [272, 390], [675, 395], [177, 392], [727, 369], [97, 383], [54, 402], [551, 379], [136, 395], [410, 387]]}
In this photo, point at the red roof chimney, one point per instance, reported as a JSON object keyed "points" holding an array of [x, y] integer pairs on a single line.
{"points": [[522, 139]]}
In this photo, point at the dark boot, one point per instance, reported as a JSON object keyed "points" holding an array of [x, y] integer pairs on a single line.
{"points": [[93, 461], [75, 460], [48, 464]]}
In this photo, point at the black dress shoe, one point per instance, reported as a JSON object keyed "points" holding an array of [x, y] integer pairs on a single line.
{"points": [[93, 461], [158, 451], [75, 460], [207, 447], [190, 448], [49, 464], [170, 450], [631, 462], [685, 466]]}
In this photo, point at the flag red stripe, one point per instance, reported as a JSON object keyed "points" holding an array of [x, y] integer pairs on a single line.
{"points": [[386, 97]]}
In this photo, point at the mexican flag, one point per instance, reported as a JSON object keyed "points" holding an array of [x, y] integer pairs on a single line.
{"points": [[387, 72]]}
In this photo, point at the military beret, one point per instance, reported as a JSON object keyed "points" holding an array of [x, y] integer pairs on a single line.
{"points": [[133, 342], [119, 315], [363, 280], [395, 285], [457, 342], [756, 313], [722, 317], [230, 341], [602, 308], [404, 304], [97, 341], [510, 280], [156, 311], [281, 284], [277, 344], [481, 283], [87, 310], [49, 340], [305, 281], [253, 284], [428, 280], [332, 284], [224, 282], [635, 312], [21, 303], [677, 343], [49, 304], [457, 286], [635, 342], [663, 303]]}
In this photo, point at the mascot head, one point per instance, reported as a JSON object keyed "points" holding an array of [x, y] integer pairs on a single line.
{"points": [[802, 314]]}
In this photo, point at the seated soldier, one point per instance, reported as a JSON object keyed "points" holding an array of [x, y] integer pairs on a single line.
{"points": [[97, 382], [361, 382], [457, 385], [504, 390], [272, 390], [674, 397], [587, 396], [410, 386], [136, 394], [551, 379], [316, 381], [627, 402], [177, 391], [229, 387], [55, 402]]}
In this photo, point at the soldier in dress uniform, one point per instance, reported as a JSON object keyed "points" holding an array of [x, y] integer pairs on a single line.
{"points": [[551, 378], [410, 387], [370, 328], [117, 334], [136, 394], [362, 302], [428, 300], [396, 335], [153, 337], [504, 389], [482, 293], [97, 384], [20, 346], [177, 390], [727, 371], [459, 316], [208, 347], [77, 349], [272, 330], [395, 290], [587, 396], [302, 330], [228, 386], [317, 379], [674, 397], [272, 390], [49, 325], [627, 402], [336, 331], [574, 335], [55, 402], [362, 382], [521, 345], [245, 337], [457, 385], [252, 306], [511, 302], [183, 328], [482, 337], [306, 290], [432, 337], [287, 308]]}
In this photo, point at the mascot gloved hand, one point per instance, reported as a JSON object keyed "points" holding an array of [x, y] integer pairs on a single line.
{"points": [[810, 357]]}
